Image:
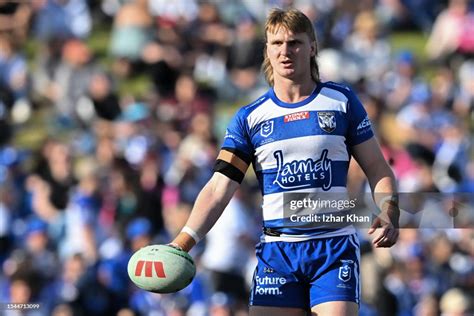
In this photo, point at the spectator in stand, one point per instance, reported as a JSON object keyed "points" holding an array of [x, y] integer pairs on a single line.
{"points": [[61, 19], [163, 63], [244, 59], [187, 101], [175, 12], [209, 37], [13, 71], [464, 96], [120, 196], [15, 19], [80, 215], [427, 306], [14, 83], [67, 83], [104, 97], [452, 32], [24, 289], [52, 178], [150, 191], [191, 168], [366, 48], [455, 302], [38, 249], [403, 84], [132, 30]]}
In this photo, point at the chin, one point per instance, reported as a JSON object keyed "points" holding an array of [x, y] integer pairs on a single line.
{"points": [[287, 74]]}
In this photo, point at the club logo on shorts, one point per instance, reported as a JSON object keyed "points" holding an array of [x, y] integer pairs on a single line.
{"points": [[345, 271], [327, 121], [267, 128]]}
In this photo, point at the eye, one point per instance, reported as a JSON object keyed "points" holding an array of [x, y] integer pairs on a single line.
{"points": [[294, 43]]}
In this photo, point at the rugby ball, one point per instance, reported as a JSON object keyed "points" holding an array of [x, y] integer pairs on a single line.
{"points": [[161, 269]]}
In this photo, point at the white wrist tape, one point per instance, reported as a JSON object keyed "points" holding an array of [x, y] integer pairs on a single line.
{"points": [[191, 233]]}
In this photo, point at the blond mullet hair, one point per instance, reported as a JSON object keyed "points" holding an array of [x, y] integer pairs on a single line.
{"points": [[295, 21]]}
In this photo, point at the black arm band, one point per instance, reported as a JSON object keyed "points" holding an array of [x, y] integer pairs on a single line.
{"points": [[229, 170]]}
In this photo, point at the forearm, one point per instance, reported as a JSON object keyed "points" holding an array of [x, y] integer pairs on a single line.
{"points": [[207, 209], [384, 191]]}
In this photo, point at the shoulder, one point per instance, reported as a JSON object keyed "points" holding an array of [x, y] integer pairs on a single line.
{"points": [[246, 110], [339, 87], [338, 91]]}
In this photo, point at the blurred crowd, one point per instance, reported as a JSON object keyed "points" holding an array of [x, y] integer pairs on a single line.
{"points": [[99, 172]]}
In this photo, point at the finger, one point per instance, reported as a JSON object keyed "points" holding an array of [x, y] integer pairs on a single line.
{"points": [[393, 236], [393, 233], [379, 238], [383, 242], [375, 225], [385, 236], [389, 240], [389, 234]]}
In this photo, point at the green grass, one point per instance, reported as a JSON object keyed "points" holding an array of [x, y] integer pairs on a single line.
{"points": [[137, 86], [98, 42], [412, 41]]}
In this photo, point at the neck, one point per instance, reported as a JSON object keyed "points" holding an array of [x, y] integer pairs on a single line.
{"points": [[291, 92]]}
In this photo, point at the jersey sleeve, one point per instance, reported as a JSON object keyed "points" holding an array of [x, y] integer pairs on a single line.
{"points": [[236, 151], [360, 127], [237, 139]]}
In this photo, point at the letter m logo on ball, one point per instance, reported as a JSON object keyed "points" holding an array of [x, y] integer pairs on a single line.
{"points": [[148, 266]]}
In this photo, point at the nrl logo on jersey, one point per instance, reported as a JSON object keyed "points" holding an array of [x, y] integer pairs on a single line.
{"points": [[327, 121], [266, 128]]}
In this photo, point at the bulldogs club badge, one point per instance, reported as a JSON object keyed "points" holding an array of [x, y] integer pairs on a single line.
{"points": [[327, 121]]}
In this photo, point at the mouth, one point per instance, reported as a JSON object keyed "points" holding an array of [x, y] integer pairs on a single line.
{"points": [[287, 63]]}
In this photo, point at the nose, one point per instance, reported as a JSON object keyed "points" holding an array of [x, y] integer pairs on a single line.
{"points": [[285, 49]]}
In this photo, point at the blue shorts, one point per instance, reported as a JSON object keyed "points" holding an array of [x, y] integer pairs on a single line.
{"points": [[306, 273]]}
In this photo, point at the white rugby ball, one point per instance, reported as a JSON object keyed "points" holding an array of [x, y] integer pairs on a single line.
{"points": [[161, 269]]}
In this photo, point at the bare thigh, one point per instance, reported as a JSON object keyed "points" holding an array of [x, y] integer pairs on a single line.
{"points": [[276, 311], [339, 308]]}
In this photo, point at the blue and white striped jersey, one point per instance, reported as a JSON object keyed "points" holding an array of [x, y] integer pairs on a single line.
{"points": [[299, 147]]}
